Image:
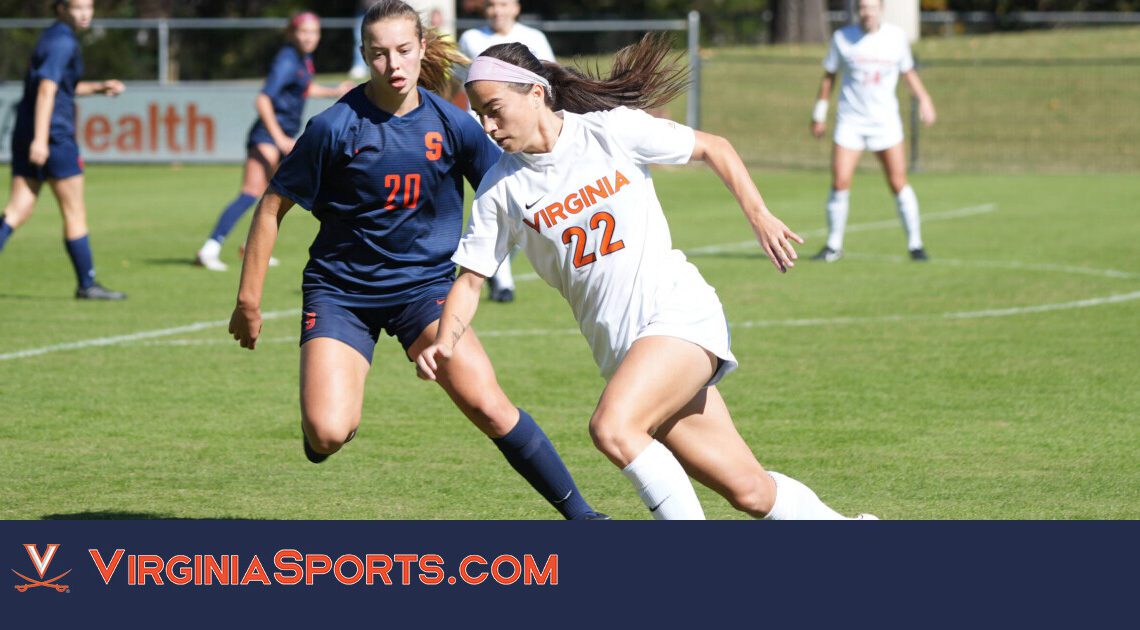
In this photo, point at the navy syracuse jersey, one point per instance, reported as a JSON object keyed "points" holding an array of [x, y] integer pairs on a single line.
{"points": [[287, 86], [57, 58], [388, 192]]}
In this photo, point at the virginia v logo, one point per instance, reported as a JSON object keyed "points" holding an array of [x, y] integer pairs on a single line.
{"points": [[41, 563]]}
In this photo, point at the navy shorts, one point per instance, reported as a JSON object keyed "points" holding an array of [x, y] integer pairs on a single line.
{"points": [[258, 134], [360, 327], [63, 160]]}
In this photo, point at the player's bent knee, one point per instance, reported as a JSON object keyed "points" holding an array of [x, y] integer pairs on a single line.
{"points": [[327, 438], [613, 438]]}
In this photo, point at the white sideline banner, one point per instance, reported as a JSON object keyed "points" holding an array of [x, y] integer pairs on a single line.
{"points": [[187, 122]]}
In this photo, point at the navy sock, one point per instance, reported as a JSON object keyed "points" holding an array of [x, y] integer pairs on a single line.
{"points": [[534, 457], [5, 232], [231, 215], [80, 252]]}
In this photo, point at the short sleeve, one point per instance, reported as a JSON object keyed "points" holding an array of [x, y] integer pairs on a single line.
{"points": [[467, 46], [487, 242], [477, 153], [299, 176], [651, 140], [280, 74], [831, 61], [540, 46], [906, 59], [56, 59]]}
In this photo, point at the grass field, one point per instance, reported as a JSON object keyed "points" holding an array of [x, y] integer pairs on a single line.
{"points": [[998, 381], [1052, 101]]}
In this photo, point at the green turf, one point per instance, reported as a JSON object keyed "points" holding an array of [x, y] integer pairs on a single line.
{"points": [[853, 378], [1046, 101]]}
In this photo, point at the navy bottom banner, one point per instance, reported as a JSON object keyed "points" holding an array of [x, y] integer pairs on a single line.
{"points": [[562, 574]]}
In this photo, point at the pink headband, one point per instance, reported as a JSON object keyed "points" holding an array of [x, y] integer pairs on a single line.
{"points": [[490, 69], [301, 18]]}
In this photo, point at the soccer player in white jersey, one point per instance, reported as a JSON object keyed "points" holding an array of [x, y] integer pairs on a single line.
{"points": [[573, 188], [871, 55], [503, 28]]}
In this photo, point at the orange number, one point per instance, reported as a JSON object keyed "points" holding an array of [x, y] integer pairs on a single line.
{"points": [[578, 235], [411, 184], [608, 245]]}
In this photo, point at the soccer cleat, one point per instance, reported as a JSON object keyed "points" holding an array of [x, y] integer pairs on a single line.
{"points": [[310, 454], [98, 292], [865, 517], [500, 294], [919, 255], [213, 263], [597, 516], [828, 255]]}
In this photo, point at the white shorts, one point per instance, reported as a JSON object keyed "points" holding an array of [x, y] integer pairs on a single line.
{"points": [[689, 309], [868, 138]]}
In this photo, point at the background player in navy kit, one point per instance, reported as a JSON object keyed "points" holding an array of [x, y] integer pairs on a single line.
{"points": [[44, 145], [382, 170], [279, 108]]}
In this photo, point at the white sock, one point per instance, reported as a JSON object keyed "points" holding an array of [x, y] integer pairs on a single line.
{"points": [[837, 203], [211, 249], [663, 485], [504, 279], [796, 502], [908, 213]]}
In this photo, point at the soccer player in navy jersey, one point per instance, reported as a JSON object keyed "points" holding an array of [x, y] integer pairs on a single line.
{"points": [[382, 171], [44, 147], [279, 105]]}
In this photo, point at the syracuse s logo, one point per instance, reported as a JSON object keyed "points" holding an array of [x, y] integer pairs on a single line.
{"points": [[41, 563]]}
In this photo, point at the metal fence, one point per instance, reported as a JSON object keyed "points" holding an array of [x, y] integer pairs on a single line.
{"points": [[153, 57]]}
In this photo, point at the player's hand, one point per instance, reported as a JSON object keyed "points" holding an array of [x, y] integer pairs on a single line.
{"points": [[926, 112], [285, 145], [776, 239], [38, 153], [818, 128], [245, 325], [113, 87], [345, 86], [427, 364]]}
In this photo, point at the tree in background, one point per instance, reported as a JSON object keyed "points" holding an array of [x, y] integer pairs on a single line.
{"points": [[800, 21]]}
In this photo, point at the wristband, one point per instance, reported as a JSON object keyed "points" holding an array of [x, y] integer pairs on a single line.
{"points": [[819, 112]]}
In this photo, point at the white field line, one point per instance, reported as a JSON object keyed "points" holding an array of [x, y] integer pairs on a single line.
{"points": [[950, 214], [774, 323], [139, 336], [957, 213]]}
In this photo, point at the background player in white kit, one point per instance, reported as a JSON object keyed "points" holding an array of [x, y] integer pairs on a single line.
{"points": [[503, 28], [573, 188], [871, 55]]}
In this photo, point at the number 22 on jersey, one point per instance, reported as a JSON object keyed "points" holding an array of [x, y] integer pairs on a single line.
{"points": [[606, 245]]}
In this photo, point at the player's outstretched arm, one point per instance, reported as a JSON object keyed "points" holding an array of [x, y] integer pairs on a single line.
{"points": [[110, 87], [458, 311], [773, 235], [245, 323], [926, 111], [321, 91]]}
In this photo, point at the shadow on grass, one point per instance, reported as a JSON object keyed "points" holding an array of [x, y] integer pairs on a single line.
{"points": [[107, 515], [13, 296], [171, 262]]}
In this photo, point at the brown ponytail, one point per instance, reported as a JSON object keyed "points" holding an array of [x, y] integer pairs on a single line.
{"points": [[439, 53], [645, 75]]}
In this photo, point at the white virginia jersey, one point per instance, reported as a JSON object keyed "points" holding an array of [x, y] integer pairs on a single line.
{"points": [[474, 41], [588, 217], [870, 64]]}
